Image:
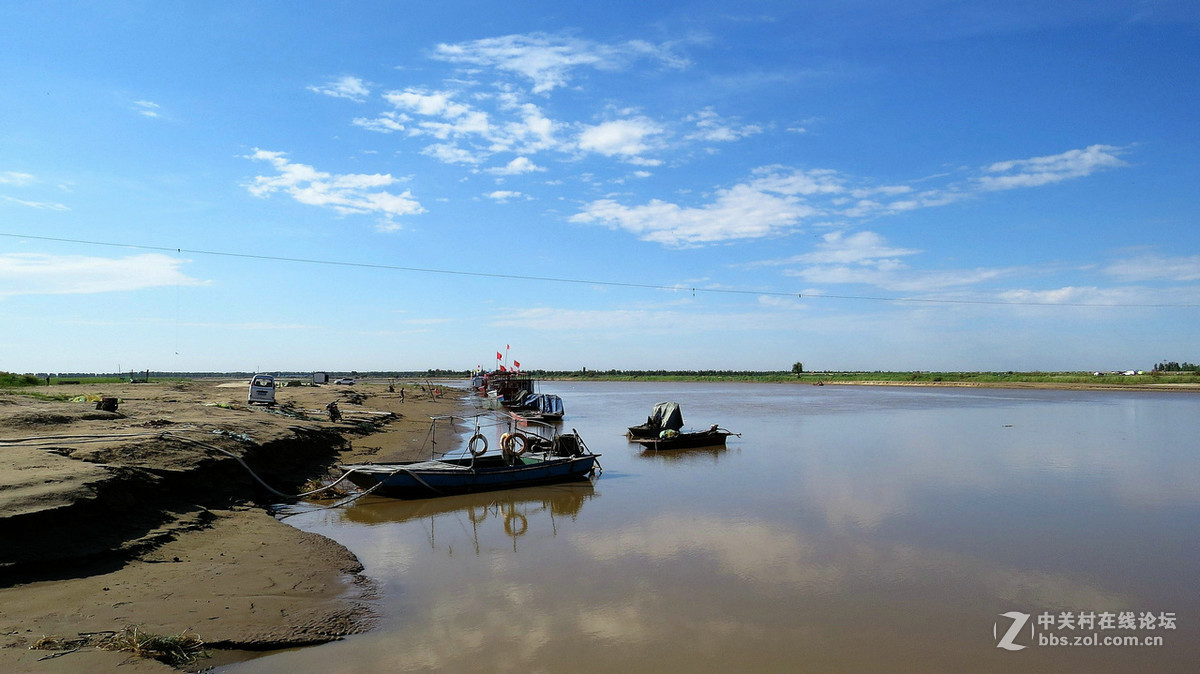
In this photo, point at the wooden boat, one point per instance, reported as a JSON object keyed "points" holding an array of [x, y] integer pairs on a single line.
{"points": [[531, 461], [664, 416], [675, 440]]}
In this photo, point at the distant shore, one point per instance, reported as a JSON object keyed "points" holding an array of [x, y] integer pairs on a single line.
{"points": [[1108, 380], [1069, 386], [1174, 381]]}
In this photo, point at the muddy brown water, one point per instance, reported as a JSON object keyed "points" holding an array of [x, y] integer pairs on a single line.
{"points": [[847, 529]]}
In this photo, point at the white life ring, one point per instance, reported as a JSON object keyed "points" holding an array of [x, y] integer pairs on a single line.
{"points": [[474, 444]]}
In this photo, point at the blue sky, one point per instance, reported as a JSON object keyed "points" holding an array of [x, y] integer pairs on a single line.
{"points": [[853, 185]]}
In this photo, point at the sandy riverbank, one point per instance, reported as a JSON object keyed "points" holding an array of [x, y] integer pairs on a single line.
{"points": [[109, 523]]}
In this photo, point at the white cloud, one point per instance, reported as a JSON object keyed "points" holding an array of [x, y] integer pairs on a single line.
{"points": [[1050, 169], [775, 199], [448, 153], [429, 104], [40, 274], [711, 127], [893, 275], [859, 248], [770, 204], [386, 122], [1073, 295], [146, 108], [347, 86], [44, 205], [625, 137], [467, 133], [1156, 267], [504, 196], [866, 258], [740, 212], [349, 193], [798, 182], [19, 179], [16, 178], [547, 60], [515, 167]]}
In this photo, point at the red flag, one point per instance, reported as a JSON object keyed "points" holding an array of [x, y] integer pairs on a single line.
{"points": [[503, 369], [507, 347], [516, 363], [498, 356]]}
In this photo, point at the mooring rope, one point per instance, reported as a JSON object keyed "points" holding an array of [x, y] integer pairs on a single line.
{"points": [[237, 458]]}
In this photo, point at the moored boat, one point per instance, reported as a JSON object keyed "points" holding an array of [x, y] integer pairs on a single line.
{"points": [[531, 460], [675, 440], [543, 407], [664, 416], [509, 387]]}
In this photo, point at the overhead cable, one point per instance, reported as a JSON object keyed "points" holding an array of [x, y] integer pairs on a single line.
{"points": [[593, 282]]}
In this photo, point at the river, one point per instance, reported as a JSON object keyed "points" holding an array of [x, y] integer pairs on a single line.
{"points": [[848, 528]]}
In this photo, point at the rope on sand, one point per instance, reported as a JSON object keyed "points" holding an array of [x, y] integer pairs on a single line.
{"points": [[254, 475]]}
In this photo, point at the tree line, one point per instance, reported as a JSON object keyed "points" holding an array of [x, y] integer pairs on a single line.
{"points": [[1172, 366]]}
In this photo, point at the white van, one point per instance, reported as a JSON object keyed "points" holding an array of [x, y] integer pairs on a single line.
{"points": [[262, 390]]}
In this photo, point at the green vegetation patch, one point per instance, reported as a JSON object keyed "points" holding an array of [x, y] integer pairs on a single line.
{"points": [[10, 380]]}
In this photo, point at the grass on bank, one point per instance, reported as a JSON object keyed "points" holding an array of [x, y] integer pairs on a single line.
{"points": [[10, 380]]}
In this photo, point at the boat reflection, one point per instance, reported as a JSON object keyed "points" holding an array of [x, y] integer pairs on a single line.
{"points": [[483, 515], [710, 454]]}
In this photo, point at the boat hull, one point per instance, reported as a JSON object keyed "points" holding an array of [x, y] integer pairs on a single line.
{"points": [[416, 480], [686, 440], [642, 432]]}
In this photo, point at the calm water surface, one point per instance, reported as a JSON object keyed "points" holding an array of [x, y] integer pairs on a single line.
{"points": [[848, 528]]}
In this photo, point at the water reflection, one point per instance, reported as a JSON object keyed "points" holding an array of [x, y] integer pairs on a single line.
{"points": [[483, 515], [709, 455], [848, 530]]}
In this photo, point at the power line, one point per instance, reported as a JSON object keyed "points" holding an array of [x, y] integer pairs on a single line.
{"points": [[557, 279], [390, 267]]}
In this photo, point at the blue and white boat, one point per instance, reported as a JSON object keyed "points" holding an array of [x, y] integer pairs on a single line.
{"points": [[524, 460], [542, 407]]}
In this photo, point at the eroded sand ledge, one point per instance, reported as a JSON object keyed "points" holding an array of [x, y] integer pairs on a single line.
{"points": [[108, 522]]}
